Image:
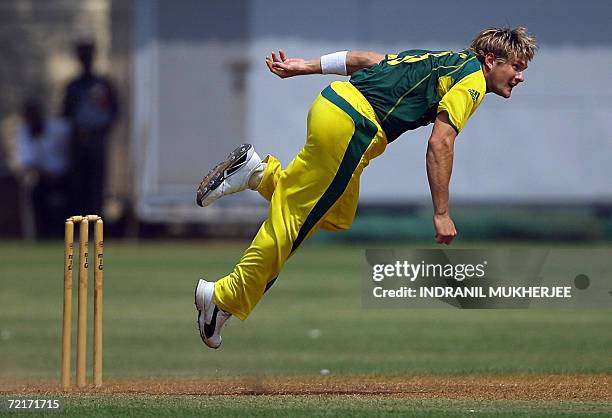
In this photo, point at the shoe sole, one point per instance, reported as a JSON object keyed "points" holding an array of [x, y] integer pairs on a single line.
{"points": [[221, 171], [201, 312]]}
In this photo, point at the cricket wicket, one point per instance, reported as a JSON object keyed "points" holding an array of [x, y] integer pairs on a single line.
{"points": [[81, 367]]}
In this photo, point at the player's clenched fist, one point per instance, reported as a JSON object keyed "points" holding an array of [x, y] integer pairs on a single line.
{"points": [[445, 229]]}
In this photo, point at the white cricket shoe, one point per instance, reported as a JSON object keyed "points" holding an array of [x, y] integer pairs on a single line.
{"points": [[210, 318], [229, 176]]}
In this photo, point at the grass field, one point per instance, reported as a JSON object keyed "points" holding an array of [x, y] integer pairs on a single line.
{"points": [[311, 320], [319, 406]]}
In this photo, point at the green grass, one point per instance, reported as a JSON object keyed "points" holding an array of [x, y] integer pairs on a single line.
{"points": [[318, 406], [150, 329]]}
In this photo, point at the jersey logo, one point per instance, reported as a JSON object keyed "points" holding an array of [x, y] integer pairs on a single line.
{"points": [[475, 94]]}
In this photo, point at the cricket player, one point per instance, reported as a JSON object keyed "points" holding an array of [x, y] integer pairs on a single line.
{"points": [[349, 124]]}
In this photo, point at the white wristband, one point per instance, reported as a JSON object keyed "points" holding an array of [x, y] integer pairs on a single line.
{"points": [[334, 63]]}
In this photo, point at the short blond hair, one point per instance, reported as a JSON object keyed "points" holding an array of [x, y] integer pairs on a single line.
{"points": [[505, 44]]}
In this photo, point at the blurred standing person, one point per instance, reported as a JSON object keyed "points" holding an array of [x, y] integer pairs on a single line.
{"points": [[43, 160], [90, 106]]}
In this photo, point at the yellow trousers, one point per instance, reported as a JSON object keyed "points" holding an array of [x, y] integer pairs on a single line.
{"points": [[318, 189]]}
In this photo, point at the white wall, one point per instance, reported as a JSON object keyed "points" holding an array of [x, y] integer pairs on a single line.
{"points": [[550, 143]]}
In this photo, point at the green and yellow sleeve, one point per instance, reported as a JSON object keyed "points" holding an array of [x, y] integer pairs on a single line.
{"points": [[463, 99]]}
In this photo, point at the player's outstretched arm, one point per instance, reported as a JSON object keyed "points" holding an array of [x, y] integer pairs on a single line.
{"points": [[342, 63], [358, 60], [289, 67], [439, 168]]}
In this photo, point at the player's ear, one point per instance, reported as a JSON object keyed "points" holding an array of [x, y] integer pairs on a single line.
{"points": [[489, 60]]}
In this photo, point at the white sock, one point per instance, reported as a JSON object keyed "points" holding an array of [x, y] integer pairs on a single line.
{"points": [[257, 176]]}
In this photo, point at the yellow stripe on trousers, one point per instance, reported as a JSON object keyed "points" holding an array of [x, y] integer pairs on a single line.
{"points": [[318, 189]]}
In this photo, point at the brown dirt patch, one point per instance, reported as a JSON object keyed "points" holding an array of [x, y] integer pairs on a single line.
{"points": [[476, 387]]}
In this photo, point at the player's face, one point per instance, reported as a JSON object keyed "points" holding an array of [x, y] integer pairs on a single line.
{"points": [[505, 75]]}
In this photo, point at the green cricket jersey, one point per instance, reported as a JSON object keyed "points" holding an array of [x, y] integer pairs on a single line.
{"points": [[409, 89]]}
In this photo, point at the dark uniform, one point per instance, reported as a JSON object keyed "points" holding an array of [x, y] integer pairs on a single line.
{"points": [[409, 89]]}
